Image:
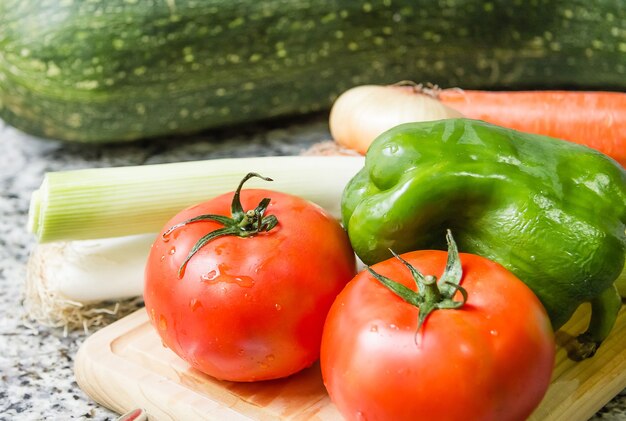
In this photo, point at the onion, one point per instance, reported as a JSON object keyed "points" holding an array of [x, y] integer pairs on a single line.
{"points": [[362, 113]]}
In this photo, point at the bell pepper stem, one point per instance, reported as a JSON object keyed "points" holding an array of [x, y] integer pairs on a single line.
{"points": [[620, 283], [604, 309]]}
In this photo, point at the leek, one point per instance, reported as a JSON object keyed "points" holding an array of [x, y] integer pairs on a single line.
{"points": [[121, 201], [83, 283], [95, 226]]}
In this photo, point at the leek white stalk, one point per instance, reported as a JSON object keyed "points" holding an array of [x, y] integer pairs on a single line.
{"points": [[78, 283], [110, 202], [362, 113]]}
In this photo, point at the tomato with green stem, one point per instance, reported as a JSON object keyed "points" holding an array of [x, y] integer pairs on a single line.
{"points": [[239, 286], [475, 345]]}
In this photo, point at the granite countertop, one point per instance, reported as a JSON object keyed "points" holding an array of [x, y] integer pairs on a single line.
{"points": [[35, 361]]}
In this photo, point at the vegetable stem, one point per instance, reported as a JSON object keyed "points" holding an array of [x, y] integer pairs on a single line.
{"points": [[240, 223], [429, 296], [604, 309]]}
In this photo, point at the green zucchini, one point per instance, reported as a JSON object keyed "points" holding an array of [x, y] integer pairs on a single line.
{"points": [[115, 70]]}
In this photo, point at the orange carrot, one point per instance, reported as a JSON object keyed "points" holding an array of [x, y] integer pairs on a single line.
{"points": [[594, 119]]}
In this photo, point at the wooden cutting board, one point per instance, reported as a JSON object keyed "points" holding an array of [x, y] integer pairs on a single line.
{"points": [[125, 366]]}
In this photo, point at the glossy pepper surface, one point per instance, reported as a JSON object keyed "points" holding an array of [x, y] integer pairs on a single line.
{"points": [[550, 211]]}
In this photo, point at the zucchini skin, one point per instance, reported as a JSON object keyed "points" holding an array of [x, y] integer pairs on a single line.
{"points": [[119, 70]]}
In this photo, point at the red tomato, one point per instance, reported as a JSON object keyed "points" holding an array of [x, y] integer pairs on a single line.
{"points": [[251, 308], [491, 359]]}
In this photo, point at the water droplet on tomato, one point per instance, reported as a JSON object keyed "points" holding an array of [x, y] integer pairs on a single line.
{"points": [[263, 364], [278, 307], [244, 281], [260, 267], [360, 416], [241, 352], [170, 235], [494, 332], [162, 257], [374, 328], [210, 276], [152, 315], [392, 326], [162, 323], [194, 304], [172, 250], [270, 357], [220, 275]]}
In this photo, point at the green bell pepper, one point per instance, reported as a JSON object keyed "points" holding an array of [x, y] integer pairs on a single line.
{"points": [[550, 211]]}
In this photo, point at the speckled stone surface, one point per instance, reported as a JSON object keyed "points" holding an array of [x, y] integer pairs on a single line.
{"points": [[37, 381]]}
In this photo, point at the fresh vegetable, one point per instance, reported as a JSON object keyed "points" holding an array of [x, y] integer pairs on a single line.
{"points": [[108, 202], [362, 113], [239, 286], [620, 283], [475, 345], [552, 212], [594, 119], [114, 70], [79, 284]]}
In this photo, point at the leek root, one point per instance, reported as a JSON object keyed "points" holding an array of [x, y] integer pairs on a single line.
{"points": [[79, 283]]}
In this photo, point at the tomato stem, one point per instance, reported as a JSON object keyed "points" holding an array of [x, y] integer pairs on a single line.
{"points": [[241, 223], [431, 290], [430, 295]]}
